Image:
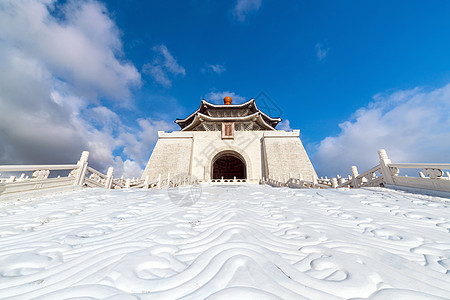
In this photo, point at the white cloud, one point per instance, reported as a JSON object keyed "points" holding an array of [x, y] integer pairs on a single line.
{"points": [[163, 67], [321, 51], [82, 48], [139, 145], [217, 97], [53, 73], [245, 7], [127, 168], [218, 69], [412, 125], [284, 125]]}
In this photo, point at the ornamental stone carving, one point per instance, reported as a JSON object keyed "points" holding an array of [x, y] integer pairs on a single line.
{"points": [[95, 177], [41, 174], [433, 173], [394, 171]]}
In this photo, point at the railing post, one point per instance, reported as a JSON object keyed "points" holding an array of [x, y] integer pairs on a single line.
{"points": [[109, 178], [384, 165], [355, 181], [82, 168], [158, 185], [334, 183], [128, 183], [147, 178], [314, 181]]}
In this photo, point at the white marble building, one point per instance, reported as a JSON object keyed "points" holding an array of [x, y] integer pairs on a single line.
{"points": [[229, 141]]}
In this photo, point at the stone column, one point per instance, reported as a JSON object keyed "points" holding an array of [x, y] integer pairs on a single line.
{"points": [[384, 165], [109, 178], [355, 181], [82, 168]]}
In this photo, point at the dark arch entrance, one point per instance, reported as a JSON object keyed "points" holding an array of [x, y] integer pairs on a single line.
{"points": [[229, 166]]}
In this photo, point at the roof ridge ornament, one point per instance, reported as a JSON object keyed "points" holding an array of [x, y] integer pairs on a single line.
{"points": [[227, 100]]}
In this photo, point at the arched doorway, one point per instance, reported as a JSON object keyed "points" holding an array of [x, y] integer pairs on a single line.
{"points": [[229, 165]]}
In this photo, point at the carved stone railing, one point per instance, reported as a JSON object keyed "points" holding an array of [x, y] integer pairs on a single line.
{"points": [[96, 179], [369, 178], [317, 183], [41, 176], [79, 175], [433, 176], [225, 181]]}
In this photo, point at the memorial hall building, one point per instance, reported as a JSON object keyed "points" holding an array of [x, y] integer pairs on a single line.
{"points": [[229, 141]]}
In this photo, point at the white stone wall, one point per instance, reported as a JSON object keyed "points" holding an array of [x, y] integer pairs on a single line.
{"points": [[265, 153], [208, 144], [172, 153], [286, 155]]}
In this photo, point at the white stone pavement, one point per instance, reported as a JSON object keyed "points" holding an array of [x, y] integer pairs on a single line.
{"points": [[234, 242]]}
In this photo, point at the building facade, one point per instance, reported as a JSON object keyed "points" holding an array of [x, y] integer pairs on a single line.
{"points": [[229, 142]]}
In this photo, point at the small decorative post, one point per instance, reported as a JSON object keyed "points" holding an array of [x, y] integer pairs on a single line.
{"points": [[109, 178], [314, 181], [355, 181], [384, 164], [158, 185], [334, 183], [82, 168], [147, 178]]}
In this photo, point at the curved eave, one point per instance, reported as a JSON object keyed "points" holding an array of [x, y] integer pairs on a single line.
{"points": [[185, 120], [189, 121], [199, 117], [272, 120], [205, 104]]}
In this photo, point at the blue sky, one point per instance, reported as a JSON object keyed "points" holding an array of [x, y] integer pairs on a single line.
{"points": [[105, 76]]}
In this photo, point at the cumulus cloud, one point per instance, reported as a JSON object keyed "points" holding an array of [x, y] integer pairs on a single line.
{"points": [[82, 47], [284, 125], [137, 145], [243, 8], [164, 67], [217, 97], [218, 69], [54, 71], [321, 51], [412, 125]]}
